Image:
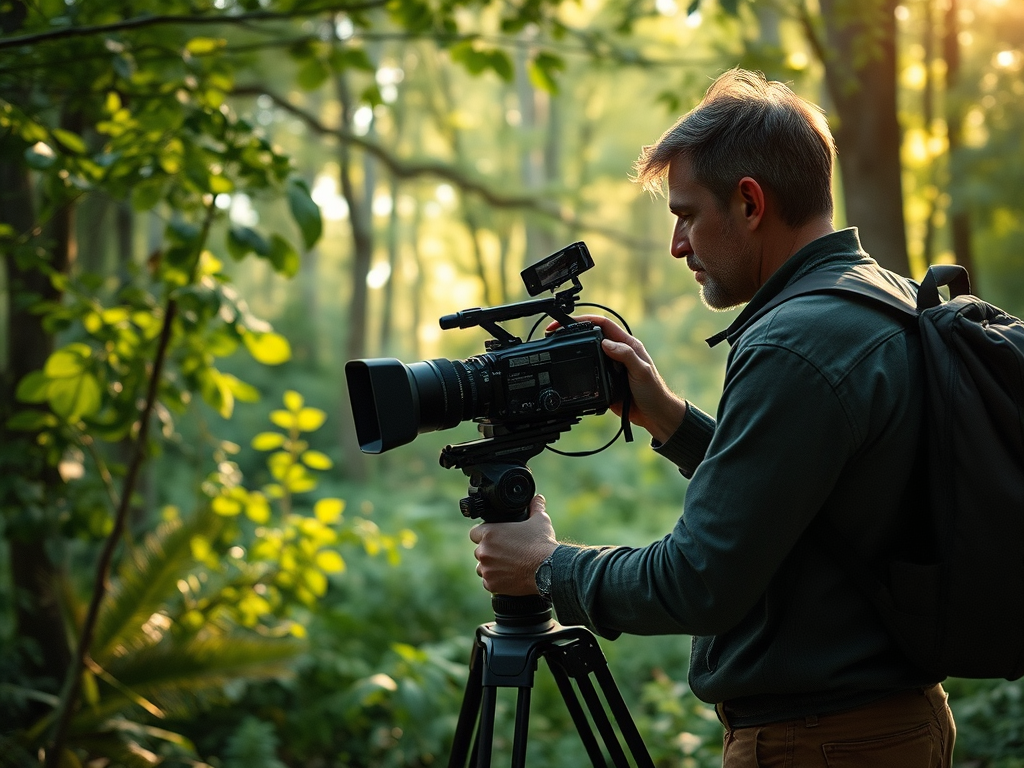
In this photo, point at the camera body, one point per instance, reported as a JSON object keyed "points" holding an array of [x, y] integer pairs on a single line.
{"points": [[564, 374]]}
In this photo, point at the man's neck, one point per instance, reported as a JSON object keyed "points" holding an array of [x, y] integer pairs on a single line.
{"points": [[788, 240]]}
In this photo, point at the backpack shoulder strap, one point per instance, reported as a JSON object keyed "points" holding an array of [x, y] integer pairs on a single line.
{"points": [[872, 286]]}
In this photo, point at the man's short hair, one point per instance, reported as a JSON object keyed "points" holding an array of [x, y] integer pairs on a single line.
{"points": [[748, 126]]}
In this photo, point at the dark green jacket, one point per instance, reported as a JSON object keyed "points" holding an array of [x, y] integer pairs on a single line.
{"points": [[818, 417]]}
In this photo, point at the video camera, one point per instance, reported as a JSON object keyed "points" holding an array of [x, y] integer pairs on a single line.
{"points": [[523, 395]]}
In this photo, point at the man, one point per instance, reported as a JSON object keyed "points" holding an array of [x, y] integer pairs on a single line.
{"points": [[818, 424]]}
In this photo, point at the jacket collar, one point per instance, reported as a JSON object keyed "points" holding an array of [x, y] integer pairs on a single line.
{"points": [[834, 248]]}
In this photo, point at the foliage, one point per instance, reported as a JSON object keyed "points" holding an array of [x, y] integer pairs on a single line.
{"points": [[178, 148]]}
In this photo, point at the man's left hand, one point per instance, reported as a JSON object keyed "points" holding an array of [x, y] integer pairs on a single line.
{"points": [[508, 554]]}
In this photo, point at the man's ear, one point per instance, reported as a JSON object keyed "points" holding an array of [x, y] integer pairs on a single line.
{"points": [[751, 197]]}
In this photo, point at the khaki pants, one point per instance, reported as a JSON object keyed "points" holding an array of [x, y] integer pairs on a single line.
{"points": [[913, 729]]}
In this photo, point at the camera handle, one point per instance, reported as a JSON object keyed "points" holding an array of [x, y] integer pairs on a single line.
{"points": [[558, 307]]}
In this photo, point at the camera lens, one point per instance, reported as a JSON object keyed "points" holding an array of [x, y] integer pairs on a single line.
{"points": [[393, 402]]}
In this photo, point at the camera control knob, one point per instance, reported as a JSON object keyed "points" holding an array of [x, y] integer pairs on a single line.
{"points": [[472, 507], [550, 400]]}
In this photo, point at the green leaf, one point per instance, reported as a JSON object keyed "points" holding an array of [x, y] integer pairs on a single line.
{"points": [[74, 397], [305, 212], [501, 63], [31, 421], [33, 388], [350, 58], [268, 348], [312, 74], [71, 141], [542, 71], [283, 256], [268, 441], [146, 194]]}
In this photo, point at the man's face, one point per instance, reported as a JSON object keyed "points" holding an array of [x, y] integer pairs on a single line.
{"points": [[713, 239]]}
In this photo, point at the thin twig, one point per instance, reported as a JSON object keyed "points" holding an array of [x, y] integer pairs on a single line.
{"points": [[73, 684]]}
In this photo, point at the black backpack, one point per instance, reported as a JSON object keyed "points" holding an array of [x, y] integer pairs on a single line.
{"points": [[959, 610]]}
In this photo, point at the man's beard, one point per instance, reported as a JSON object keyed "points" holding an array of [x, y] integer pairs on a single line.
{"points": [[713, 293]]}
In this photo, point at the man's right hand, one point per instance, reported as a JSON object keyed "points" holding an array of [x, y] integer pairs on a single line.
{"points": [[655, 407]]}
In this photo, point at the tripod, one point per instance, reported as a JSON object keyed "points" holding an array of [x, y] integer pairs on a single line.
{"points": [[506, 651], [505, 655]]}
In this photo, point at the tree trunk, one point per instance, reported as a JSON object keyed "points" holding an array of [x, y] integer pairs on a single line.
{"points": [[860, 72], [28, 479], [361, 221], [960, 217]]}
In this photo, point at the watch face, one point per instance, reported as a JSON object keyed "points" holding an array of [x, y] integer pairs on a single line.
{"points": [[543, 578]]}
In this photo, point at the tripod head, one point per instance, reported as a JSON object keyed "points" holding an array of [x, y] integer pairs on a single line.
{"points": [[500, 484]]}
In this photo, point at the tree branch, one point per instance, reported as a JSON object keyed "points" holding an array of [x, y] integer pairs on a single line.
{"points": [[404, 169], [140, 22]]}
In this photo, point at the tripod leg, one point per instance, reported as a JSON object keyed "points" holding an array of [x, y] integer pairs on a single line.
{"points": [[576, 712], [469, 711], [604, 726], [485, 734], [522, 728], [621, 714]]}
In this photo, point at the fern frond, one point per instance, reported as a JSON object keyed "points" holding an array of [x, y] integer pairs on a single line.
{"points": [[147, 576], [174, 674]]}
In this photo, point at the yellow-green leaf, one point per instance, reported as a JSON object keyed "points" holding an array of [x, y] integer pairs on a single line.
{"points": [[268, 348], [330, 561], [300, 484], [316, 581], [222, 505], [293, 401], [258, 508], [283, 419], [317, 460], [268, 441], [311, 419], [204, 45], [67, 362], [328, 511], [200, 547]]}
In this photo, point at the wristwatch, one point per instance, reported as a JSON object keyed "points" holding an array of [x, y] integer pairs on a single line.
{"points": [[543, 578]]}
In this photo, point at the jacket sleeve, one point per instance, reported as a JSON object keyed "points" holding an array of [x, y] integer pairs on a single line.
{"points": [[782, 437], [689, 443]]}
